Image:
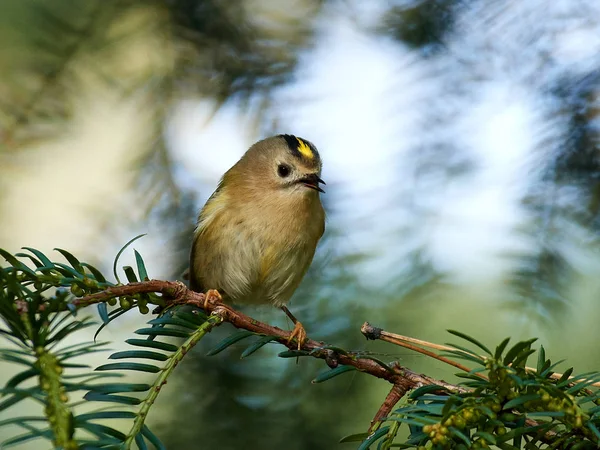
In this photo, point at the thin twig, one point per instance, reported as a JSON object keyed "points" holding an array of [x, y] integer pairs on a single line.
{"points": [[373, 333]]}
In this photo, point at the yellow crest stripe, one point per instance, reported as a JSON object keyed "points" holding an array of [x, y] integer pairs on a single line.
{"points": [[304, 149]]}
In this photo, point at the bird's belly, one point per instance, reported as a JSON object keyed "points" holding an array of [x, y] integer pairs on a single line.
{"points": [[258, 263], [273, 275]]}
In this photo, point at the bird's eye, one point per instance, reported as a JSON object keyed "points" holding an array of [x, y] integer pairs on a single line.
{"points": [[283, 170]]}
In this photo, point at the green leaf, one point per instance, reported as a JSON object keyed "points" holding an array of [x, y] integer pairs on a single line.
{"points": [[452, 401], [130, 274], [292, 354], [465, 350], [99, 444], [332, 373], [358, 437], [140, 442], [541, 359], [70, 328], [68, 271], [487, 411], [122, 399], [112, 388], [43, 258], [72, 260], [175, 321], [103, 312], [582, 384], [471, 376], [457, 354], [419, 392], [130, 366], [546, 372], [141, 354], [20, 377], [152, 344], [101, 430], [516, 349], [95, 272], [487, 436], [546, 414], [520, 400], [105, 415], [87, 377], [516, 379], [197, 316], [459, 434], [80, 352], [162, 332], [258, 344], [14, 262], [230, 340], [471, 340], [409, 421], [373, 438], [18, 420], [16, 359], [152, 438], [500, 348], [31, 435], [34, 260], [116, 261], [141, 266], [417, 417], [594, 429], [521, 360]]}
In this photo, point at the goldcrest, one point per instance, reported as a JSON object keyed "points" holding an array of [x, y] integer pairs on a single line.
{"points": [[257, 234]]}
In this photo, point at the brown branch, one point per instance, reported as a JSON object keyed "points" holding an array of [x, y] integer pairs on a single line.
{"points": [[401, 378], [176, 293], [394, 396], [373, 333]]}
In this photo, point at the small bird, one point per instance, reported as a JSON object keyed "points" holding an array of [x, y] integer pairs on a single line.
{"points": [[257, 233]]}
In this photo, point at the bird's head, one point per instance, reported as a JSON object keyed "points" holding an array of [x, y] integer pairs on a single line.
{"points": [[284, 163]]}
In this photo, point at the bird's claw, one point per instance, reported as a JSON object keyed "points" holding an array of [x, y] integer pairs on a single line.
{"points": [[298, 333], [212, 296]]}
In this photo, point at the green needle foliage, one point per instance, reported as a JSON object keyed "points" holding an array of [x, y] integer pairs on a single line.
{"points": [[501, 402], [505, 405]]}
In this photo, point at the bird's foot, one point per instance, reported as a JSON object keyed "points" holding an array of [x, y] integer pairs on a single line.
{"points": [[298, 333], [212, 296]]}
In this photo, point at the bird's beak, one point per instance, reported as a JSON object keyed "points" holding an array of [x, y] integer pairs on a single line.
{"points": [[312, 181]]}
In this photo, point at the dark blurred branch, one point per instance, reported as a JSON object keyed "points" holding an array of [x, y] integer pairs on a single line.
{"points": [[53, 75]]}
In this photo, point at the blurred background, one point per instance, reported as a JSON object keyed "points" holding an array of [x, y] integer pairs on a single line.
{"points": [[460, 142]]}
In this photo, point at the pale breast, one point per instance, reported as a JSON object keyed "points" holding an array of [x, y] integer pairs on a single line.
{"points": [[251, 259]]}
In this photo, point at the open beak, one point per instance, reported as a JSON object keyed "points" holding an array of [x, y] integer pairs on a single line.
{"points": [[312, 181]]}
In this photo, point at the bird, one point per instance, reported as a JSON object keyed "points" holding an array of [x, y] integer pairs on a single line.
{"points": [[257, 234]]}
